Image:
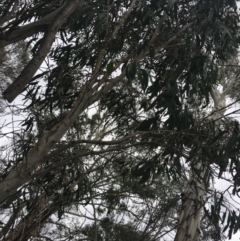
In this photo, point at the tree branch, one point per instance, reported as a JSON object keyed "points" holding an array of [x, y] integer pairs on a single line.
{"points": [[31, 68], [124, 18], [27, 30], [22, 173]]}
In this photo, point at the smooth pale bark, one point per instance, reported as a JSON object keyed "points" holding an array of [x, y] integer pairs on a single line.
{"points": [[31, 68], [24, 171], [190, 216], [193, 197]]}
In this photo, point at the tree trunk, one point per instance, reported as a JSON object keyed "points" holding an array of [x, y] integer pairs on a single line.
{"points": [[193, 197], [190, 216]]}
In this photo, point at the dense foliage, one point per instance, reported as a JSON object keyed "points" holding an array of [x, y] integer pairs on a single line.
{"points": [[116, 114]]}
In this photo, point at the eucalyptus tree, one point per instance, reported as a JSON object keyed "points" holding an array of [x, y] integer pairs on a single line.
{"points": [[106, 94]]}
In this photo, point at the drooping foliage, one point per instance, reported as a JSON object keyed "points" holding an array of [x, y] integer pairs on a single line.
{"points": [[116, 105]]}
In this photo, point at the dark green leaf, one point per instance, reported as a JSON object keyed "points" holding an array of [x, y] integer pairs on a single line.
{"points": [[171, 3], [151, 52], [143, 77], [228, 222], [224, 216], [109, 68], [11, 200], [237, 225]]}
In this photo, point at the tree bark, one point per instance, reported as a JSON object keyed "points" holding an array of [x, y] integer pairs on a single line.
{"points": [[28, 30], [190, 216], [24, 171], [33, 221], [45, 44], [193, 197]]}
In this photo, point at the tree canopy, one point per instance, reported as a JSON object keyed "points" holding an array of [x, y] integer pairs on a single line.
{"points": [[122, 106]]}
